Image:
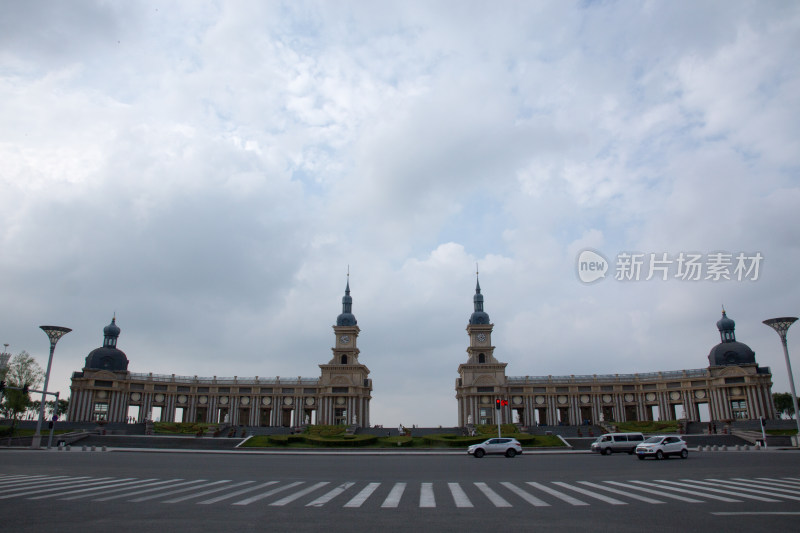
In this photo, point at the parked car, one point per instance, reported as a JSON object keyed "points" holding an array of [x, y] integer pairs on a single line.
{"points": [[499, 446], [617, 442], [662, 446]]}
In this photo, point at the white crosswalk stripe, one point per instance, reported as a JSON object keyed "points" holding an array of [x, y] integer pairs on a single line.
{"points": [[620, 492], [530, 498], [460, 497], [698, 493], [251, 499], [392, 501], [237, 493], [124, 488], [719, 491], [607, 499], [657, 492], [362, 496], [560, 495], [426, 497], [493, 497], [328, 496], [354, 494], [756, 489]]}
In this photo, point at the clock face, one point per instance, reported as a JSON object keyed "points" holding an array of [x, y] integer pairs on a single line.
{"points": [[481, 337], [344, 339]]}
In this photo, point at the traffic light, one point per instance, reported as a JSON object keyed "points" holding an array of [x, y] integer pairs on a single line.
{"points": [[25, 389], [2, 386], [503, 402], [497, 404]]}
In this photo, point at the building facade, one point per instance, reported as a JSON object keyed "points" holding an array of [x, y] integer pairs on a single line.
{"points": [[732, 387], [106, 391]]}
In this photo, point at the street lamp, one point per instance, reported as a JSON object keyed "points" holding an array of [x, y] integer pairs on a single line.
{"points": [[53, 333], [781, 325]]}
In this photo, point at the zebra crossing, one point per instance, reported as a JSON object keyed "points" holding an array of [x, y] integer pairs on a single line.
{"points": [[400, 494]]}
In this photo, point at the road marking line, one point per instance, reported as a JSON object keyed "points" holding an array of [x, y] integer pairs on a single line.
{"points": [[781, 482], [459, 496], [495, 498], [426, 497], [699, 485], [43, 482], [689, 491], [359, 499], [560, 495], [185, 489], [742, 513], [528, 497], [204, 493], [621, 492], [299, 494], [16, 480], [237, 493], [134, 493], [771, 486], [657, 492], [325, 498], [99, 488], [52, 487], [393, 499], [251, 499], [121, 489], [607, 499], [752, 487]]}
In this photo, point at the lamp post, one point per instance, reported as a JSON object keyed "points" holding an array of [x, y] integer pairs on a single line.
{"points": [[781, 325], [53, 333]]}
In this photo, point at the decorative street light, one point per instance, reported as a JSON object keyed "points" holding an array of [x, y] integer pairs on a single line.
{"points": [[53, 333], [781, 325]]}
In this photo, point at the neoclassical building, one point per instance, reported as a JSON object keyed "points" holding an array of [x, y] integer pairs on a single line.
{"points": [[732, 387], [106, 390]]}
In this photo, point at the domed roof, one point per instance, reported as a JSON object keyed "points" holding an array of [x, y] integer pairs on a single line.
{"points": [[725, 323], [729, 351], [346, 318], [479, 316], [108, 357]]}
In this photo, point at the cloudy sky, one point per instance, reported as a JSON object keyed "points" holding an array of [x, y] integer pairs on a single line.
{"points": [[208, 170]]}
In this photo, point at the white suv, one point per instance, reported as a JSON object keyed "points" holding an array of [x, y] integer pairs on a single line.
{"points": [[662, 446], [502, 446]]}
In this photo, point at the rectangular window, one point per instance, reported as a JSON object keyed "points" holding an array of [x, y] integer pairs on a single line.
{"points": [[727, 380], [540, 390], [202, 389], [224, 389], [629, 387], [244, 390], [183, 388], [517, 390], [159, 387], [584, 389], [485, 389], [674, 385], [739, 408], [562, 389], [98, 383], [137, 386], [309, 391], [101, 411], [649, 386], [607, 388], [266, 390], [287, 391], [341, 390]]}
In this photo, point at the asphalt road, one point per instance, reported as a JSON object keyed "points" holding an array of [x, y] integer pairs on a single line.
{"points": [[152, 491]]}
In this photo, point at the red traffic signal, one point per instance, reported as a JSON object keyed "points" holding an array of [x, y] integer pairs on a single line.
{"points": [[504, 402], [497, 403]]}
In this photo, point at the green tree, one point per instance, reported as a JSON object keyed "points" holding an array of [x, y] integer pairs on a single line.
{"points": [[783, 403], [22, 370]]}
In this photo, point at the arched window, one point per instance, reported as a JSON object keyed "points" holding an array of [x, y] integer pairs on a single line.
{"points": [[481, 358], [344, 359]]}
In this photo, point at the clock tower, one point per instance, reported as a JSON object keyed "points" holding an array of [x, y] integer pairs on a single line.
{"points": [[482, 378], [347, 388]]}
